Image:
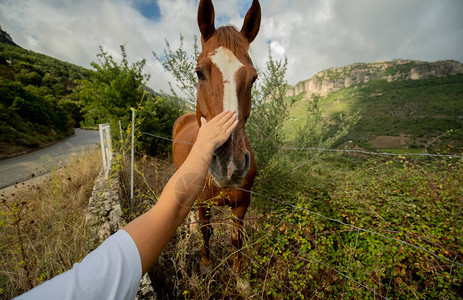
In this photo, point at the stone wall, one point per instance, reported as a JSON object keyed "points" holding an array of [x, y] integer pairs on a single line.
{"points": [[104, 212]]}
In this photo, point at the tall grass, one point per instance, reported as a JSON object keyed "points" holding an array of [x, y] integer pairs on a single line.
{"points": [[43, 228]]}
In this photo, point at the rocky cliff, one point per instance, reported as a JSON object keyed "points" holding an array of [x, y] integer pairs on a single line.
{"points": [[5, 38], [334, 79]]}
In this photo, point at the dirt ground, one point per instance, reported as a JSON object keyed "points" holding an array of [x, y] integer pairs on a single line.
{"points": [[386, 141]]}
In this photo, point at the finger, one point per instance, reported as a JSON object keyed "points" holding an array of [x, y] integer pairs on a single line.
{"points": [[233, 118], [231, 128], [223, 117]]}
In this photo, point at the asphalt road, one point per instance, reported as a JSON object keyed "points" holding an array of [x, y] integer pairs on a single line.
{"points": [[43, 161]]}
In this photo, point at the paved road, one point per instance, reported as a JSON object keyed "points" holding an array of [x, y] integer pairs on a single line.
{"points": [[42, 161]]}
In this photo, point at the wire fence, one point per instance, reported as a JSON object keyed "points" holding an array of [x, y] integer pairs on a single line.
{"points": [[355, 237], [347, 151]]}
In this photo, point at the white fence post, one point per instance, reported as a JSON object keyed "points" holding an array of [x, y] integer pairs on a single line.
{"points": [[106, 147]]}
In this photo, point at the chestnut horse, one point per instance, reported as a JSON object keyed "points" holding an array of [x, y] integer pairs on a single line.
{"points": [[225, 78]]}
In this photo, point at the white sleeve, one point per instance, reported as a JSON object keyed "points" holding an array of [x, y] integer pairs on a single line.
{"points": [[111, 271]]}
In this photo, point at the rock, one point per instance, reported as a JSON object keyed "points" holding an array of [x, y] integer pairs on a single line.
{"points": [[104, 232], [114, 227], [116, 213], [5, 38], [334, 79], [145, 289], [104, 213]]}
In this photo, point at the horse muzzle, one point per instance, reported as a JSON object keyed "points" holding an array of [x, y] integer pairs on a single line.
{"points": [[228, 171]]}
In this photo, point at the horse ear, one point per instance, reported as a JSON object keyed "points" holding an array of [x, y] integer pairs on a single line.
{"points": [[206, 17], [251, 23]]}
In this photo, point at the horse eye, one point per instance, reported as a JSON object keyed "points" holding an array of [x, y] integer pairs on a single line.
{"points": [[200, 74], [252, 82]]}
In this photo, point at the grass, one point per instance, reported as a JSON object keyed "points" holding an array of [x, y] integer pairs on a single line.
{"points": [[417, 201], [176, 273], [402, 151], [423, 109], [299, 251], [43, 227]]}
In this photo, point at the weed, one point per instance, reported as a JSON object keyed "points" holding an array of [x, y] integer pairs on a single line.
{"points": [[43, 225]]}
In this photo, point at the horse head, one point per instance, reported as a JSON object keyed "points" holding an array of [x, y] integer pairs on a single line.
{"points": [[225, 77]]}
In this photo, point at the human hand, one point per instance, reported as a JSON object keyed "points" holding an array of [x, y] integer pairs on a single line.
{"points": [[216, 131]]}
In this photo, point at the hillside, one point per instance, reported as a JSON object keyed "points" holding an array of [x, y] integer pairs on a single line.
{"points": [[5, 38], [334, 79], [35, 107], [402, 104]]}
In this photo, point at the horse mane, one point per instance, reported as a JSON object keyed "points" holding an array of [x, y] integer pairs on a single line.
{"points": [[230, 38]]}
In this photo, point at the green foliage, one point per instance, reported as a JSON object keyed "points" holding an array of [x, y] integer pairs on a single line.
{"points": [[379, 204], [158, 116], [421, 109], [382, 206], [400, 68], [316, 133], [269, 111], [181, 66], [33, 90], [111, 90], [338, 226]]}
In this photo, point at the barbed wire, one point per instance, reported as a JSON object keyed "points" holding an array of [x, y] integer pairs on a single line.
{"points": [[309, 257], [331, 219], [352, 226], [163, 138], [348, 151], [251, 259], [356, 228], [244, 247], [333, 269]]}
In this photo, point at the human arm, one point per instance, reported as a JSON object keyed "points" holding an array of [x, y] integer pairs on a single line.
{"points": [[153, 230], [113, 270]]}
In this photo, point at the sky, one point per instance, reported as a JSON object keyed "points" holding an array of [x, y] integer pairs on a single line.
{"points": [[313, 34]]}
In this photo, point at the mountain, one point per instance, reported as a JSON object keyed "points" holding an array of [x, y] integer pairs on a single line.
{"points": [[401, 103], [334, 79], [36, 107], [5, 38]]}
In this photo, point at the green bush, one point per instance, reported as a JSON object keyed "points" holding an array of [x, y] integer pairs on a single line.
{"points": [[157, 117], [31, 93], [112, 90], [352, 237]]}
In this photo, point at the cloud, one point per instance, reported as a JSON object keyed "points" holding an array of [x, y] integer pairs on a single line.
{"points": [[314, 35]]}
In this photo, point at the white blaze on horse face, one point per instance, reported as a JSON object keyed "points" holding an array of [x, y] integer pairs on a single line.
{"points": [[228, 65]]}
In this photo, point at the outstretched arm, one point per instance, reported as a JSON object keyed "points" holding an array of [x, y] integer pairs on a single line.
{"points": [[154, 229]]}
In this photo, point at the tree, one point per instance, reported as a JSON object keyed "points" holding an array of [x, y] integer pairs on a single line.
{"points": [[112, 90], [157, 116], [270, 110], [316, 132], [116, 87], [181, 66]]}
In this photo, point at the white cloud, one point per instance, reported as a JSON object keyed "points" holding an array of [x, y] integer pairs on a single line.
{"points": [[314, 35], [277, 48]]}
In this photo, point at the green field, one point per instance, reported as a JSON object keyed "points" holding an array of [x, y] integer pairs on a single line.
{"points": [[425, 109]]}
